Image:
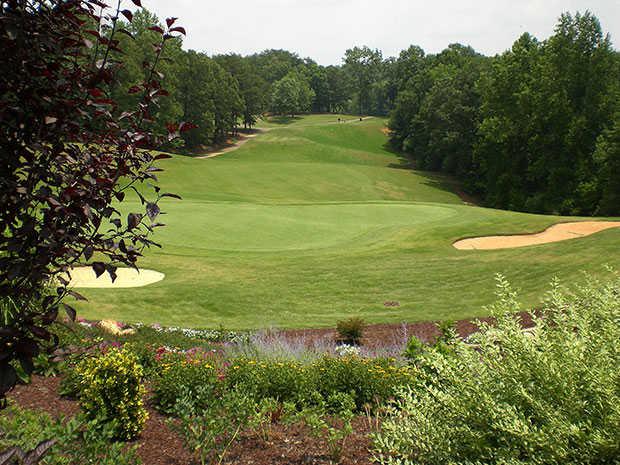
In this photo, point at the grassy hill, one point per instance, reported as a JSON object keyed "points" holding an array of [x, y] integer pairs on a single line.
{"points": [[314, 221]]}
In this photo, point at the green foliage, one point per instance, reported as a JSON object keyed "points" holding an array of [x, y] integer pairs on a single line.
{"points": [[351, 330], [363, 67], [178, 377], [77, 441], [111, 390], [366, 381], [546, 396], [607, 160], [285, 381], [291, 95], [209, 431], [414, 349], [519, 129], [333, 429], [70, 383]]}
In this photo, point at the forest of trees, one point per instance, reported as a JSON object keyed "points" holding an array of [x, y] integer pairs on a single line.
{"points": [[222, 92], [533, 129]]}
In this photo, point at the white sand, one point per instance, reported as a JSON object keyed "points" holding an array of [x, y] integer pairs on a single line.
{"points": [[126, 277], [556, 233]]}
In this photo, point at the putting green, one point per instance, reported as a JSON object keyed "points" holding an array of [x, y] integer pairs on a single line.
{"points": [[315, 221], [253, 227]]}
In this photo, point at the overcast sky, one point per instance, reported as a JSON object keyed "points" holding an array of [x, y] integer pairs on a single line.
{"points": [[324, 29]]}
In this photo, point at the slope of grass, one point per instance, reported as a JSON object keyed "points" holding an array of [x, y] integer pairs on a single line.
{"points": [[314, 221]]}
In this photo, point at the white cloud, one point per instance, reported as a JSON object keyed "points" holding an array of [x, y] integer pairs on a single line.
{"points": [[324, 29]]}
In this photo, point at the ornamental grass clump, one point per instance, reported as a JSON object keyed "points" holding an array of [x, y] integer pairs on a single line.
{"points": [[111, 390], [351, 331], [547, 396]]}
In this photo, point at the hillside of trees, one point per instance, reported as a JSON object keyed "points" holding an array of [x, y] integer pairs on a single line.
{"points": [[534, 129]]}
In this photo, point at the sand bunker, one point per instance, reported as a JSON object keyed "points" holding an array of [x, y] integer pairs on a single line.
{"points": [[126, 277], [556, 233]]}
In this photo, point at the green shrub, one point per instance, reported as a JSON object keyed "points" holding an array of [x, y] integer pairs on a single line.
{"points": [[351, 330], [414, 349], [111, 389], [209, 431], [285, 381], [70, 383], [329, 420], [548, 396], [77, 441], [367, 381], [178, 377]]}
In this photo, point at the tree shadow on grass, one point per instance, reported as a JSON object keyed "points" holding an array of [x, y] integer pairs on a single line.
{"points": [[440, 181], [283, 119]]}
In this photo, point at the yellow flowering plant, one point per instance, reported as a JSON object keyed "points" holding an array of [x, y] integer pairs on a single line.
{"points": [[111, 389]]}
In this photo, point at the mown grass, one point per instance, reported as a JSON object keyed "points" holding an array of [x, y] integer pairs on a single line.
{"points": [[314, 221]]}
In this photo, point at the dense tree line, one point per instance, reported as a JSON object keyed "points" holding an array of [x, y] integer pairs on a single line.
{"points": [[533, 129], [219, 93]]}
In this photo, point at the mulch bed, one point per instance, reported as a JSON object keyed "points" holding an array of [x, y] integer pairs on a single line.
{"points": [[378, 335], [159, 445], [288, 445]]}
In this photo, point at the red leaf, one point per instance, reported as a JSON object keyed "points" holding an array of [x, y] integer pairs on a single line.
{"points": [[157, 29], [174, 196], [127, 14], [71, 313], [77, 295], [133, 219], [126, 32], [95, 92], [179, 29], [88, 252], [94, 33], [134, 89], [170, 21], [137, 2], [98, 268], [186, 126]]}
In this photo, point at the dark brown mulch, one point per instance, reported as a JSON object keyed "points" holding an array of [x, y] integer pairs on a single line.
{"points": [[377, 335], [159, 445]]}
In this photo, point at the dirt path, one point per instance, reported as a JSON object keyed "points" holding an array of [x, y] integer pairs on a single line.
{"points": [[243, 138], [556, 233]]}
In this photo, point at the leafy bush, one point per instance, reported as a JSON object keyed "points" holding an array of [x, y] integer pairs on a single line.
{"points": [[285, 381], [76, 441], [60, 131], [367, 381], [111, 389], [179, 376], [210, 430], [351, 331], [414, 349], [547, 396], [334, 430]]}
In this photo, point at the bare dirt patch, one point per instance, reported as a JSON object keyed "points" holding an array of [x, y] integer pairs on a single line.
{"points": [[126, 277], [556, 233]]}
